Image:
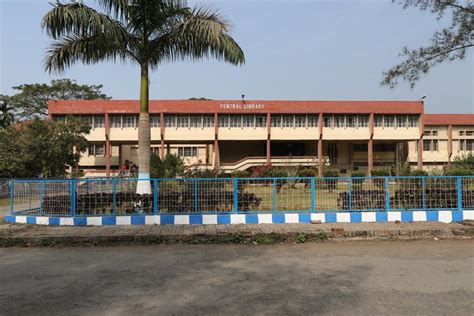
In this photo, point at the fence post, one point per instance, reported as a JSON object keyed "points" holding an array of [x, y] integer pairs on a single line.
{"points": [[387, 194], [313, 202], [236, 195], [41, 197], [12, 187], [350, 195], [459, 193], [155, 197], [196, 195], [114, 201], [423, 193], [73, 197], [274, 194]]}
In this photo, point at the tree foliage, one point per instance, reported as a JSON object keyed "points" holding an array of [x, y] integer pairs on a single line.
{"points": [[144, 32], [41, 148], [6, 112], [31, 101], [448, 44], [170, 167]]}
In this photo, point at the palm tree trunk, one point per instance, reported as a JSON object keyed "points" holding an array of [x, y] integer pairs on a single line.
{"points": [[144, 187]]}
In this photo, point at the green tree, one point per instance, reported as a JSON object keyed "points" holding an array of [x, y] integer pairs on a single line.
{"points": [[41, 148], [31, 101], [170, 167], [145, 32], [6, 112], [448, 44]]}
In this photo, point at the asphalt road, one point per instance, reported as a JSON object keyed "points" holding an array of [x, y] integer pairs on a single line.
{"points": [[337, 278]]}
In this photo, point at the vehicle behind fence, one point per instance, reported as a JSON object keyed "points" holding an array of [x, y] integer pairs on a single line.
{"points": [[117, 196]]}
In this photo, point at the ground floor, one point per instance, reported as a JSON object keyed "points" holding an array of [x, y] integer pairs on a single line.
{"points": [[229, 156], [333, 278]]}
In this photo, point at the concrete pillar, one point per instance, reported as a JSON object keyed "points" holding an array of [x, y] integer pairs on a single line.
{"points": [[162, 135], [370, 151], [320, 157], [420, 143], [269, 137], [107, 145], [450, 143], [217, 163], [320, 145]]}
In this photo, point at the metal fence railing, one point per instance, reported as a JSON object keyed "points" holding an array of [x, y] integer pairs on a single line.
{"points": [[117, 196]]}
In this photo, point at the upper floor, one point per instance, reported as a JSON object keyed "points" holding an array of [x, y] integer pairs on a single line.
{"points": [[175, 120]]}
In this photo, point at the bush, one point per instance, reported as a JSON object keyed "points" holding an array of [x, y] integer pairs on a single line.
{"points": [[203, 174], [307, 172], [261, 171], [358, 174], [240, 174], [383, 172], [419, 173], [458, 171], [278, 173], [331, 173]]}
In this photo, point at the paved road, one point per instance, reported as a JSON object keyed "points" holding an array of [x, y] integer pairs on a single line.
{"points": [[337, 278]]}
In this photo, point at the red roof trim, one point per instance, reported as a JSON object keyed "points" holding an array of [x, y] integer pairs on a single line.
{"points": [[449, 119], [213, 106]]}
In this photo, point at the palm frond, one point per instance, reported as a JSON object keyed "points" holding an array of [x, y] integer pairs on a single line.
{"points": [[200, 33], [88, 49]]}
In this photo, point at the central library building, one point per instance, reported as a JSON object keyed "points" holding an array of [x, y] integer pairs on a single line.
{"points": [[230, 135]]}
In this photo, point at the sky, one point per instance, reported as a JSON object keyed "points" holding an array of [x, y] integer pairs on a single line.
{"points": [[294, 49]]}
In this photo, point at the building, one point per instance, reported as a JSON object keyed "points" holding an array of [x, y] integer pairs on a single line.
{"points": [[234, 135]]}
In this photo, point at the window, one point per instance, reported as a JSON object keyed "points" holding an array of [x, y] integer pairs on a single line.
{"points": [[187, 151], [182, 121], [236, 121], [469, 133], [461, 133], [59, 118], [87, 119], [466, 145], [195, 121], [261, 121], [363, 121], [99, 121], [434, 133], [350, 121], [116, 121], [287, 120], [360, 147], [378, 120], [384, 147], [338, 120], [223, 120], [170, 120], [97, 150], [129, 121], [275, 120], [412, 121], [435, 145], [155, 121], [248, 121], [401, 121], [155, 150], [426, 145], [313, 121], [300, 120], [327, 120], [207, 121], [469, 144], [388, 121]]}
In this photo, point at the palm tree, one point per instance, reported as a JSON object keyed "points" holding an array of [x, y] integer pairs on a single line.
{"points": [[145, 32], [6, 114]]}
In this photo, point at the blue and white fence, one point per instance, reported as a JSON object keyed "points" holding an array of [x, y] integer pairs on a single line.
{"points": [[242, 200]]}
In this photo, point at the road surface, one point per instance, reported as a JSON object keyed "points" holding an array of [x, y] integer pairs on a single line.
{"points": [[336, 278]]}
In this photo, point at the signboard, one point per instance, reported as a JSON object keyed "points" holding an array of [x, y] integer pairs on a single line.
{"points": [[242, 106]]}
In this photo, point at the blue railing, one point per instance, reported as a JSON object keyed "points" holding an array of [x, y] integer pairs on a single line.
{"points": [[117, 196]]}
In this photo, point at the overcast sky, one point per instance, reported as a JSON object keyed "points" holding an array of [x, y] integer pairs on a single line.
{"points": [[295, 50]]}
